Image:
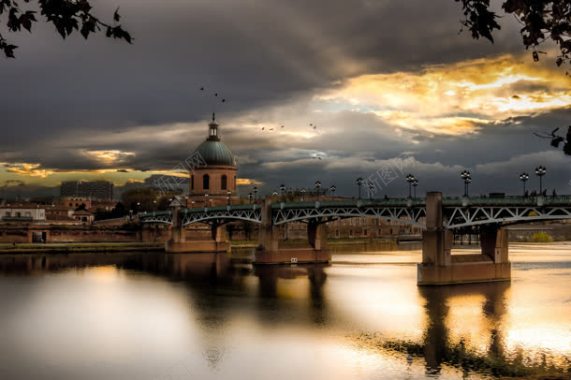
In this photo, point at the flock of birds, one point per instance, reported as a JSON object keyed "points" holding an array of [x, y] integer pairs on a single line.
{"points": [[217, 97], [311, 125]]}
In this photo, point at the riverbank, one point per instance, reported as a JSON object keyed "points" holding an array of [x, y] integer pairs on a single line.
{"points": [[79, 247]]}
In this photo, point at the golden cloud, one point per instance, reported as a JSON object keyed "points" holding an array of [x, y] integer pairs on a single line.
{"points": [[457, 98], [108, 157], [28, 169], [247, 182]]}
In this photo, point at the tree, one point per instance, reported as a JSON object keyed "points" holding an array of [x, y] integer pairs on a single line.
{"points": [[117, 212], [541, 20], [67, 16], [140, 199]]}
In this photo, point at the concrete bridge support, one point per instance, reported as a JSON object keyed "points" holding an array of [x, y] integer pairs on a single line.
{"points": [[440, 267], [269, 251], [179, 244]]}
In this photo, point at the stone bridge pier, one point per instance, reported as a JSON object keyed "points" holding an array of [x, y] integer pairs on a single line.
{"points": [[178, 243], [440, 267], [270, 252]]}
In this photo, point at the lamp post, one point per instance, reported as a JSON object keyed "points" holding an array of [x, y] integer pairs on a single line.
{"points": [[205, 199], [359, 182], [317, 188], [302, 194], [540, 171], [371, 187], [282, 190], [228, 195], [467, 178], [524, 177], [410, 179], [332, 188], [414, 185], [250, 196], [255, 190]]}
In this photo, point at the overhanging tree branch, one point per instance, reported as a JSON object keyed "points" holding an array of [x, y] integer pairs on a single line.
{"points": [[67, 16]]}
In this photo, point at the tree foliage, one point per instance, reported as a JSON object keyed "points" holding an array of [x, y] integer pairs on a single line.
{"points": [[541, 20], [147, 199], [67, 16]]}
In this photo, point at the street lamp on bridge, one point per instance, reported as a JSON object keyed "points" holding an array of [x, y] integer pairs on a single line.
{"points": [[282, 190], [414, 185], [524, 177], [228, 197], [332, 188], [255, 191], [371, 187], [410, 179], [359, 182], [317, 188], [540, 171], [302, 193], [250, 196], [467, 178]]}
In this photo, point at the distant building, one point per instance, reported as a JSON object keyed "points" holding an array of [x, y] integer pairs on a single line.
{"points": [[73, 202], [22, 213], [212, 168], [91, 189], [82, 216], [59, 213], [355, 228]]}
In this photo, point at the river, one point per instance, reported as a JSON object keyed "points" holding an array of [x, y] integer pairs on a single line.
{"points": [[159, 316]]}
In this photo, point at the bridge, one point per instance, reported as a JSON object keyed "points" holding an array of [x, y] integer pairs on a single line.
{"points": [[438, 216]]}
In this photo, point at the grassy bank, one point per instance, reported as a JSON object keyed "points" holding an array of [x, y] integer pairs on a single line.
{"points": [[79, 247], [457, 355]]}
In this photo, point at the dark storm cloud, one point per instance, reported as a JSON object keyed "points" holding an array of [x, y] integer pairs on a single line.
{"points": [[254, 52], [62, 101]]}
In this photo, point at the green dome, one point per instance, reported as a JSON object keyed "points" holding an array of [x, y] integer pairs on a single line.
{"points": [[215, 152]]}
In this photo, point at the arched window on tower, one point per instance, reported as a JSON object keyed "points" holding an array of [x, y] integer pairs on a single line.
{"points": [[205, 182], [224, 182]]}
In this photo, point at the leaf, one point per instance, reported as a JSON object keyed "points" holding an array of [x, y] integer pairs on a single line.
{"points": [[8, 49], [26, 20]]}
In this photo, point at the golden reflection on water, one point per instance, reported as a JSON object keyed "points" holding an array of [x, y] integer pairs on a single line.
{"points": [[149, 316]]}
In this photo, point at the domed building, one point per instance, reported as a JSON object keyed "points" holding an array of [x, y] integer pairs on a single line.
{"points": [[213, 181]]}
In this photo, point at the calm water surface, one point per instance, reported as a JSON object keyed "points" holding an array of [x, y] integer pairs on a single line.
{"points": [[157, 316]]}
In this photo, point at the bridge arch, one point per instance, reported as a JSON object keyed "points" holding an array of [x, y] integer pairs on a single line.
{"points": [[403, 215], [221, 215], [458, 217]]}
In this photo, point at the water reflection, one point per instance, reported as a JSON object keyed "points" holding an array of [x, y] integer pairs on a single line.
{"points": [[440, 346], [154, 316], [274, 284]]}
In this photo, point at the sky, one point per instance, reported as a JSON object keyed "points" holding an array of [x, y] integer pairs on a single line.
{"points": [[393, 87]]}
